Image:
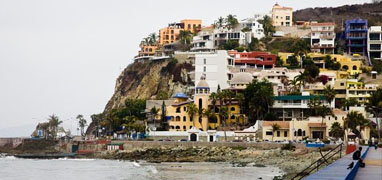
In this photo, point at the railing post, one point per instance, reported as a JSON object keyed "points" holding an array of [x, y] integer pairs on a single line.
{"points": [[340, 150]]}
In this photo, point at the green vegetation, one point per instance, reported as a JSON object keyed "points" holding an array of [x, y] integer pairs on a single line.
{"points": [[355, 119], [275, 127], [81, 123], [291, 45], [192, 110], [258, 97], [377, 66], [331, 64], [337, 130], [269, 29], [150, 40], [185, 37]]}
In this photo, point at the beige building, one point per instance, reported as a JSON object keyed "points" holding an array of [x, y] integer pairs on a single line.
{"points": [[170, 33], [282, 16]]}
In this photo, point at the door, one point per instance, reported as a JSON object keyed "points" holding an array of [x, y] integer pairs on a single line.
{"points": [[193, 137], [211, 138]]}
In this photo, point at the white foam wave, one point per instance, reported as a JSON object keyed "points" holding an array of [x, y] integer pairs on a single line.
{"points": [[73, 159]]}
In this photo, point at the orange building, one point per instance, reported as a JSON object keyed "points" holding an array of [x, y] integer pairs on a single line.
{"points": [[147, 50], [170, 33]]}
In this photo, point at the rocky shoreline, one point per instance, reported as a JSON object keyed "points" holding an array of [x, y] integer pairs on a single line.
{"points": [[290, 161]]}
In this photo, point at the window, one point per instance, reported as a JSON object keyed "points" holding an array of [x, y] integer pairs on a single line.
{"points": [[178, 110], [190, 127], [177, 127], [354, 67], [232, 108], [278, 133], [177, 118], [204, 60], [184, 127], [233, 117], [184, 108], [285, 133], [269, 133], [204, 69], [184, 119], [287, 23], [287, 17]]}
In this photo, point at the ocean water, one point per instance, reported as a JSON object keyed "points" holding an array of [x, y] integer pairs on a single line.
{"points": [[12, 168]]}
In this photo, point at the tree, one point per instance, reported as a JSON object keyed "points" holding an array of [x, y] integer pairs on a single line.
{"points": [[292, 61], [350, 102], [223, 112], [54, 122], [192, 110], [185, 37], [275, 127], [220, 22], [164, 123], [96, 120], [353, 120], [258, 98], [336, 130], [208, 114], [81, 123], [331, 64], [374, 104], [279, 62], [269, 29], [329, 93], [231, 21], [229, 95], [213, 97]]}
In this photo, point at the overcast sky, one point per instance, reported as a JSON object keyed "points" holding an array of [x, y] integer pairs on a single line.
{"points": [[63, 57]]}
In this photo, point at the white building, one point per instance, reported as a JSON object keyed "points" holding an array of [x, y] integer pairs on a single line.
{"points": [[254, 25], [204, 41], [214, 65], [374, 42], [322, 38], [222, 35]]}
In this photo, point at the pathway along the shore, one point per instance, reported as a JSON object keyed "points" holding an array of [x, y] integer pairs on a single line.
{"points": [[373, 169]]}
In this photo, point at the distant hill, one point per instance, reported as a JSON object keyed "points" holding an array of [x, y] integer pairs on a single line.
{"points": [[370, 11]]}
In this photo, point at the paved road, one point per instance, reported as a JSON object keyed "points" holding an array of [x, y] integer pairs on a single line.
{"points": [[373, 169]]}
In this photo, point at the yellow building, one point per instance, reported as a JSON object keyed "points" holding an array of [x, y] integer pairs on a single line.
{"points": [[181, 121], [170, 33], [282, 16], [312, 128], [359, 90], [352, 67]]}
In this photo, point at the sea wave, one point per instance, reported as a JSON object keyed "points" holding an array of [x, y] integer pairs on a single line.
{"points": [[73, 159]]}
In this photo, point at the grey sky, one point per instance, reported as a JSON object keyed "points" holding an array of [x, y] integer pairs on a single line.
{"points": [[63, 57]]}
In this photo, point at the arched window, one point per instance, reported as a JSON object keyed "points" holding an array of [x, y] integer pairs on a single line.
{"points": [[299, 132], [213, 119], [177, 127], [171, 127], [345, 67], [184, 108], [177, 118], [184, 127], [178, 110], [200, 104], [233, 117], [184, 119], [354, 67], [303, 133], [232, 108]]}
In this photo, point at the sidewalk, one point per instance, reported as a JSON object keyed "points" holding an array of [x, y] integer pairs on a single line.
{"points": [[373, 169]]}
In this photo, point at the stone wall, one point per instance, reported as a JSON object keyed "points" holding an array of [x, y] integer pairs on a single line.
{"points": [[10, 143]]}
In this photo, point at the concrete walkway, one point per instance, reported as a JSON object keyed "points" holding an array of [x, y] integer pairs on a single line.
{"points": [[373, 169]]}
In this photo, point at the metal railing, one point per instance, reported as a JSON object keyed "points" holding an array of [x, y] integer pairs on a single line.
{"points": [[315, 166]]}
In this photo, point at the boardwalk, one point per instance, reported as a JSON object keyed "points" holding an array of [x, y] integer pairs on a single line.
{"points": [[373, 169]]}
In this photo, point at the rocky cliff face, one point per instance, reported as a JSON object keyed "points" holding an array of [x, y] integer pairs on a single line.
{"points": [[372, 12], [146, 80]]}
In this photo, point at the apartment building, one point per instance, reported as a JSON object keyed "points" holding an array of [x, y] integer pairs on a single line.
{"points": [[374, 42], [170, 33], [282, 16], [222, 35], [204, 40], [322, 38], [356, 36], [253, 59], [254, 25], [215, 67]]}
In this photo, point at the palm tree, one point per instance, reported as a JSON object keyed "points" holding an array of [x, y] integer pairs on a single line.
{"points": [[153, 39], [223, 112], [275, 127], [231, 21], [185, 37], [269, 29], [240, 97], [154, 112], [229, 95], [54, 122], [213, 97], [192, 110], [329, 94], [208, 114], [220, 22], [374, 104], [81, 122], [336, 130], [352, 120], [301, 79]]}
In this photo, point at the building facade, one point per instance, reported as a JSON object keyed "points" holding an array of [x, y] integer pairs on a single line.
{"points": [[374, 42], [261, 60], [253, 25], [170, 34], [215, 66], [322, 38], [356, 36], [282, 16]]}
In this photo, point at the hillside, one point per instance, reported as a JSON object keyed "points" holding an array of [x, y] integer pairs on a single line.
{"points": [[372, 12], [147, 80]]}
